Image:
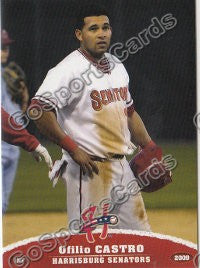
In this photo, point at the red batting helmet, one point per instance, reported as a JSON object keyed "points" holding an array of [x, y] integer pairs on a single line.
{"points": [[5, 39]]}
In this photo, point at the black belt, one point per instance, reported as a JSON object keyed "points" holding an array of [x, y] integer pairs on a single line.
{"points": [[118, 156], [101, 159]]}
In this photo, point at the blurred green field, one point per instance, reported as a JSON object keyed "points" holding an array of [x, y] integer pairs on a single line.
{"points": [[33, 191]]}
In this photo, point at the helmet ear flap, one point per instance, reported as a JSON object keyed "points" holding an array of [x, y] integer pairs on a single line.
{"points": [[149, 169]]}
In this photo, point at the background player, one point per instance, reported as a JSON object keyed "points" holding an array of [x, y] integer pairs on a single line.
{"points": [[12, 104], [10, 153], [93, 122], [12, 134]]}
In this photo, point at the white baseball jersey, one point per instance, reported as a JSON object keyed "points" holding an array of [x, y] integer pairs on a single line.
{"points": [[91, 108], [91, 105]]}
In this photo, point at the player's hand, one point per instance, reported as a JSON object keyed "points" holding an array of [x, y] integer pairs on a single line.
{"points": [[41, 152], [84, 160]]}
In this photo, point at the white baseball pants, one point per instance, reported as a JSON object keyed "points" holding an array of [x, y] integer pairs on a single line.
{"points": [[115, 184]]}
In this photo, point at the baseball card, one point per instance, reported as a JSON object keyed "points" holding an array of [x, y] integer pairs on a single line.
{"points": [[100, 128]]}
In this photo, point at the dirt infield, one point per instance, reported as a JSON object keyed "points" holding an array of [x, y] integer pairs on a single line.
{"points": [[181, 223]]}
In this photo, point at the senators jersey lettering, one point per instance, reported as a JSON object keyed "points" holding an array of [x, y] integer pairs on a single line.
{"points": [[90, 105], [104, 97]]}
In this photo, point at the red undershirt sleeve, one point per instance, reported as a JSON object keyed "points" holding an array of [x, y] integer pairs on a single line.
{"points": [[13, 134]]}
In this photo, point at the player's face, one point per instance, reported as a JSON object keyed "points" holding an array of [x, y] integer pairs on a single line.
{"points": [[95, 35], [4, 54]]}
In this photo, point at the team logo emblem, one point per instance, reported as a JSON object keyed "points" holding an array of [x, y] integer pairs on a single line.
{"points": [[90, 222]]}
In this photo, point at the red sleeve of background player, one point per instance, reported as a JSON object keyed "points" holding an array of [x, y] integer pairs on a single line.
{"points": [[13, 135]]}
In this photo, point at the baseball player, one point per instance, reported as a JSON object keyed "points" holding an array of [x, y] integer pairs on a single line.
{"points": [[12, 133], [10, 153], [88, 111], [11, 137]]}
